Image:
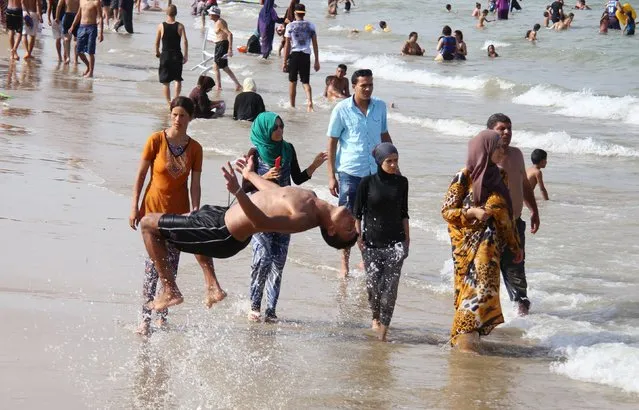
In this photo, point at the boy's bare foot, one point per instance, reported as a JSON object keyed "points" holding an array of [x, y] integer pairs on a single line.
{"points": [[14, 55], [375, 324], [213, 296], [254, 316], [27, 56], [309, 107], [165, 299], [343, 272], [144, 329]]}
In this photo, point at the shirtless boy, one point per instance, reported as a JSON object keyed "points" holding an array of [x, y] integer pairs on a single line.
{"points": [[483, 19], [337, 85], [411, 48], [88, 15], [539, 159], [31, 26], [221, 232], [64, 15], [223, 48], [14, 26]]}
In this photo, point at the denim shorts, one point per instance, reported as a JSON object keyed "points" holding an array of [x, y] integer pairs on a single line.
{"points": [[348, 189]]}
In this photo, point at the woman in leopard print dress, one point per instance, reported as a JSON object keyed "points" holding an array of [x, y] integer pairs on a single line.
{"points": [[478, 210]]}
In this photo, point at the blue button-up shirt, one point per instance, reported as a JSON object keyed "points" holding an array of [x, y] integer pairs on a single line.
{"points": [[357, 135]]}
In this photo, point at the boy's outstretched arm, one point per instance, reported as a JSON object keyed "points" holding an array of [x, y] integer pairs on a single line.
{"points": [[542, 187]]}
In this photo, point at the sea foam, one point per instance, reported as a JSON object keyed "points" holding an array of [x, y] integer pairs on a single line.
{"points": [[554, 141], [582, 104]]}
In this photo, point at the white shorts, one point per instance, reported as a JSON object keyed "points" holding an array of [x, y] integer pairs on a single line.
{"points": [[35, 26], [56, 30]]}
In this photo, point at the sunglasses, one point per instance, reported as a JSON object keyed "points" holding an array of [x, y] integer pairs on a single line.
{"points": [[278, 127]]}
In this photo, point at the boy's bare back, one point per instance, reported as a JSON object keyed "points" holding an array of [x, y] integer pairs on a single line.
{"points": [[289, 210], [535, 177]]}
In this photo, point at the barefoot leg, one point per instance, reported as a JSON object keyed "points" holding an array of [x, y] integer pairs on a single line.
{"points": [[156, 247], [382, 333], [292, 92], [468, 342], [214, 292], [309, 97], [346, 254]]}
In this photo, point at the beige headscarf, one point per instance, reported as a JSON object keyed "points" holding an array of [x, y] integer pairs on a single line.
{"points": [[483, 171], [248, 84]]}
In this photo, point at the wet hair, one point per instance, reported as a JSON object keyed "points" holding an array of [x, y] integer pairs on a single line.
{"points": [[546, 14], [461, 35], [448, 7], [477, 5], [498, 117], [184, 102], [412, 33], [171, 10], [205, 82], [336, 242], [536, 27], [382, 24], [365, 72], [571, 16], [447, 31], [485, 12], [538, 155], [342, 66]]}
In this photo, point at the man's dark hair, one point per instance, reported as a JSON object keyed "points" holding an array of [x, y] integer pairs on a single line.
{"points": [[342, 66], [365, 72], [336, 242], [448, 7], [412, 33], [538, 155], [537, 27], [184, 102], [495, 118], [447, 31]]}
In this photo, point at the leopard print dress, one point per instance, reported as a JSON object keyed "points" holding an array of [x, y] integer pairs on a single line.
{"points": [[477, 248]]}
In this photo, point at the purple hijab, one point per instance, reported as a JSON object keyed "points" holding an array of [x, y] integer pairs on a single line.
{"points": [[484, 172], [266, 26]]}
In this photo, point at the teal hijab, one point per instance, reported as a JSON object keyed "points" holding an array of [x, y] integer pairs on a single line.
{"points": [[269, 150]]}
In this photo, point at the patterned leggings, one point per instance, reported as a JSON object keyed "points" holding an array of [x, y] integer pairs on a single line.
{"points": [[383, 269], [151, 281], [269, 256], [3, 14]]}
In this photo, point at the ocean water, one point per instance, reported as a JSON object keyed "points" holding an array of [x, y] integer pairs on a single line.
{"points": [[71, 148]]}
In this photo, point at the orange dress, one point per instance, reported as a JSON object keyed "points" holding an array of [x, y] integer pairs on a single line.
{"points": [[167, 191]]}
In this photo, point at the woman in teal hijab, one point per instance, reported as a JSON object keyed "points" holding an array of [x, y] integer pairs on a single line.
{"points": [[276, 160]]}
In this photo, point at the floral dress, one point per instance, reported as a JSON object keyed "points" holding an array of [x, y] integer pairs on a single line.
{"points": [[477, 248]]}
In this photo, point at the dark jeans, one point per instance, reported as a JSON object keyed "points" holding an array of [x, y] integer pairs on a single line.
{"points": [[515, 273], [347, 189]]}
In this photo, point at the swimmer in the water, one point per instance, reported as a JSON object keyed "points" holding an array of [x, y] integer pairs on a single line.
{"points": [[581, 5], [337, 85], [531, 35], [539, 159], [347, 4], [332, 7], [491, 51], [477, 10], [449, 8], [547, 19], [563, 24], [411, 48], [483, 19], [462, 51], [384, 26]]}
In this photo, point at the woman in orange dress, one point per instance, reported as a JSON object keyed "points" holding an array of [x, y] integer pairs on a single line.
{"points": [[172, 156], [478, 210]]}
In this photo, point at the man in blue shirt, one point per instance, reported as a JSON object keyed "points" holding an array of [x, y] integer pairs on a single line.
{"points": [[357, 125]]}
